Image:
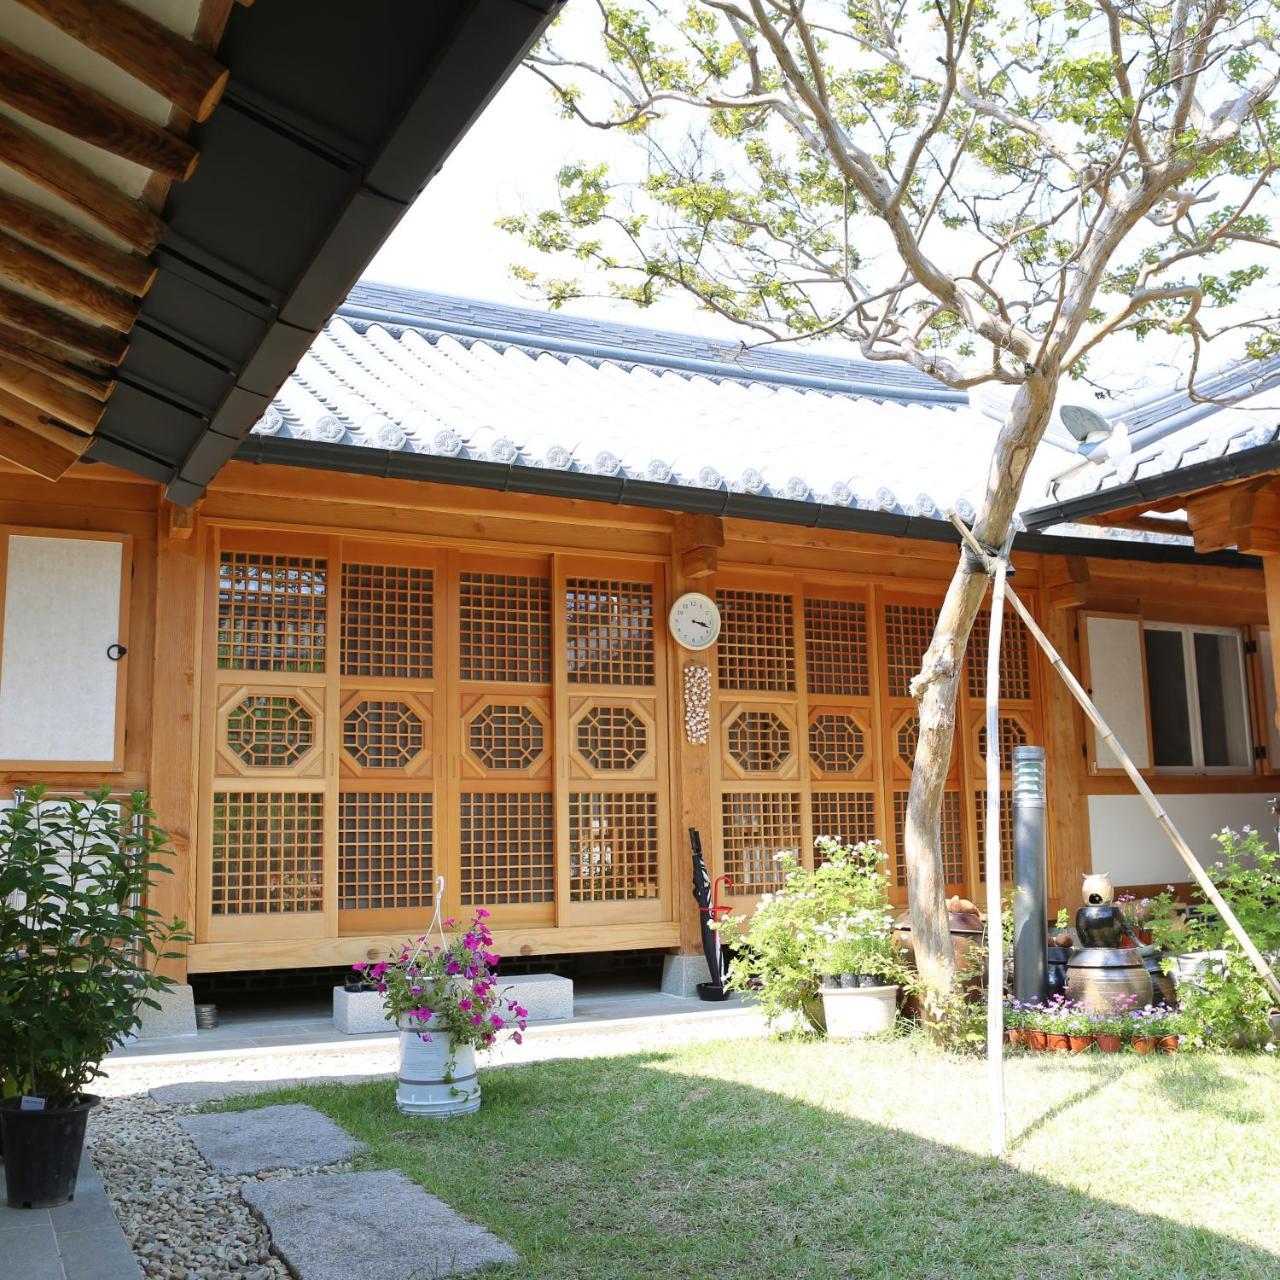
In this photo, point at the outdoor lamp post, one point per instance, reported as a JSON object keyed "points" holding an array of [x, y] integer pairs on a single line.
{"points": [[1030, 904]]}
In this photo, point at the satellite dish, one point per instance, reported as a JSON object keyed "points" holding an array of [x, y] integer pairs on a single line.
{"points": [[1084, 422]]}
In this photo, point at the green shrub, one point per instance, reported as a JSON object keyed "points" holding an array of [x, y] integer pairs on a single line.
{"points": [[78, 943], [835, 919]]}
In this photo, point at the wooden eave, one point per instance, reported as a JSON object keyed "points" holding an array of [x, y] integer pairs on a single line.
{"points": [[184, 204]]}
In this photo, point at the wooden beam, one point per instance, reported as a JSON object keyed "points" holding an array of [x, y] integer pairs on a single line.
{"points": [[46, 94], [56, 326], [69, 180], [71, 407], [178, 522], [22, 348], [1245, 516], [66, 286], [65, 240], [1145, 524], [44, 455], [148, 50], [689, 531], [699, 562]]}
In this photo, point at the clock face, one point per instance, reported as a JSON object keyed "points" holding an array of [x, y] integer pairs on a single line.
{"points": [[694, 621]]}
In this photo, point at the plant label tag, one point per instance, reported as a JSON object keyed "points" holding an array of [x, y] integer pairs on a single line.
{"points": [[31, 1104]]}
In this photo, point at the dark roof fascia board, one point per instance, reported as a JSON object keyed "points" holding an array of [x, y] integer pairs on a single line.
{"points": [[1243, 465], [535, 344], [624, 491]]}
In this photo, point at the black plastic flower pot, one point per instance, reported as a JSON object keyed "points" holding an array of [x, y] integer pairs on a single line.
{"points": [[42, 1152]]}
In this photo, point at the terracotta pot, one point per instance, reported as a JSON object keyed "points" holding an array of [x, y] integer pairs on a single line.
{"points": [[1014, 1036], [1057, 1042], [1034, 1040], [1080, 1043], [1168, 1044], [1143, 1044], [1108, 1044]]}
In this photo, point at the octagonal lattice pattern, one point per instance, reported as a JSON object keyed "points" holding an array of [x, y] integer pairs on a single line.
{"points": [[907, 737], [836, 742], [506, 736], [269, 731], [612, 737], [759, 741], [383, 735], [1012, 733]]}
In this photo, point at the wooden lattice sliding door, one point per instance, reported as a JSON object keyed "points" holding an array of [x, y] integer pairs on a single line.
{"points": [[379, 714]]}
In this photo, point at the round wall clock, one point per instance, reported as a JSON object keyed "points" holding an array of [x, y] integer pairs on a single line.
{"points": [[694, 621]]}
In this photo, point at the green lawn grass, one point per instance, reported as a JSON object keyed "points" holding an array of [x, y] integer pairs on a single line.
{"points": [[762, 1158]]}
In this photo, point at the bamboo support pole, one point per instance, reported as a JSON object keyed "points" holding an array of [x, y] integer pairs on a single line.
{"points": [[995, 935], [1207, 887]]}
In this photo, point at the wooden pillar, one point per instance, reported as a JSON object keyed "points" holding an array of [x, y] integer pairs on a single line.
{"points": [[1271, 580], [172, 766], [1070, 856], [695, 796]]}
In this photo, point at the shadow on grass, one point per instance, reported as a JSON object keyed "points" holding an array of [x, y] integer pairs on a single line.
{"points": [[626, 1169]]}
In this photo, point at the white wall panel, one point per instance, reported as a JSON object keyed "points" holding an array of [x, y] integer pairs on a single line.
{"points": [[1118, 688], [58, 687], [1126, 841]]}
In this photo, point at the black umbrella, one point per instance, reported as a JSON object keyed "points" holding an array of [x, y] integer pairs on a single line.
{"points": [[713, 990]]}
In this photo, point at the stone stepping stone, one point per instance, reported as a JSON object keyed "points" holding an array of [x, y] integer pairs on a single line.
{"points": [[190, 1093], [369, 1226], [290, 1137]]}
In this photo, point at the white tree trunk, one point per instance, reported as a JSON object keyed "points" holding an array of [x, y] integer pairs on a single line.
{"points": [[935, 688]]}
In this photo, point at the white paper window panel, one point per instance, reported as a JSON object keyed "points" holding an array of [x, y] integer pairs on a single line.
{"points": [[1269, 700], [57, 685], [1119, 690], [1125, 839]]}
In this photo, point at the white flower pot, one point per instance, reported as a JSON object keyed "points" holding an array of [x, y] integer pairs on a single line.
{"points": [[436, 1078], [854, 1012]]}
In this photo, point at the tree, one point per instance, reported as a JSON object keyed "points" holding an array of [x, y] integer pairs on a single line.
{"points": [[987, 190]]}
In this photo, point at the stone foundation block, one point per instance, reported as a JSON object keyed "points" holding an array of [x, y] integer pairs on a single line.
{"points": [[176, 1015], [681, 974], [547, 996], [357, 1013]]}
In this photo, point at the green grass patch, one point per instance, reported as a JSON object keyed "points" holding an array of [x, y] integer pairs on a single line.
{"points": [[804, 1159]]}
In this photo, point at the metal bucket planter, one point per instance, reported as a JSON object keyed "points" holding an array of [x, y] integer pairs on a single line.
{"points": [[854, 1012], [437, 1077]]}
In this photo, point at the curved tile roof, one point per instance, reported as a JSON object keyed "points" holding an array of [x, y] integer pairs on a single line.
{"points": [[513, 387]]}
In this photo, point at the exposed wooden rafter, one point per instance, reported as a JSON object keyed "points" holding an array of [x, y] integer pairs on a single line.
{"points": [[75, 235], [1245, 516], [45, 94], [181, 71]]}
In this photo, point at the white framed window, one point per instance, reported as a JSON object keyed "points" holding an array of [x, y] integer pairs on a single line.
{"points": [[1198, 698]]}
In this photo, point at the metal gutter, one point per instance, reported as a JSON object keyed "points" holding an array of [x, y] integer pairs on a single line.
{"points": [[624, 491], [1242, 465], [536, 343]]}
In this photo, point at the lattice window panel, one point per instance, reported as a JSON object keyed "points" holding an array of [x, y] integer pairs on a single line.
{"points": [[759, 825], [387, 621], [505, 628], [507, 848], [837, 743], [1012, 733], [612, 738], [850, 816], [1015, 658], [613, 846], [268, 852], [756, 650], [906, 740], [1006, 832], [835, 647], [908, 628], [609, 632], [952, 833], [384, 850], [503, 736], [271, 612], [270, 732], [383, 734], [759, 741]]}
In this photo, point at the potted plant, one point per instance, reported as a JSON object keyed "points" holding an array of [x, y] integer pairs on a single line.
{"points": [[1143, 1027], [1108, 1031], [833, 922], [1080, 1029], [446, 1003], [1034, 1036], [1015, 1021], [1164, 1027], [80, 949], [1056, 1019]]}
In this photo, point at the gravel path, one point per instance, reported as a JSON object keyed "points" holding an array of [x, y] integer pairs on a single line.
{"points": [[186, 1222]]}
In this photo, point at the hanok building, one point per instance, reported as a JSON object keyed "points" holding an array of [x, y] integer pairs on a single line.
{"points": [[418, 626]]}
